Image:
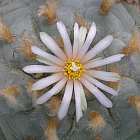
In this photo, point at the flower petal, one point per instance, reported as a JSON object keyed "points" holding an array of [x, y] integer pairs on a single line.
{"points": [[83, 98], [66, 100], [89, 39], [63, 32], [43, 60], [46, 55], [97, 93], [77, 92], [108, 60], [106, 76], [93, 60], [41, 69], [99, 47], [52, 45], [75, 44], [45, 82], [53, 91], [79, 38], [82, 36], [101, 85]]}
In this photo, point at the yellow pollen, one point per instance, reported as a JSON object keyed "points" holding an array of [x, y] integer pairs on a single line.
{"points": [[73, 69]]}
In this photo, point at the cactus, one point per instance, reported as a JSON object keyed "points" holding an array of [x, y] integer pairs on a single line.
{"points": [[20, 118]]}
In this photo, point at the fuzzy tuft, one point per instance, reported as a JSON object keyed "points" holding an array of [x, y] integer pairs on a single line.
{"points": [[51, 129], [26, 43], [134, 44], [106, 6], [10, 93], [134, 101], [96, 121], [11, 90], [5, 32], [48, 10], [53, 105], [81, 21]]}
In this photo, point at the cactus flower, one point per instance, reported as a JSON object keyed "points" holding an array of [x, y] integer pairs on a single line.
{"points": [[74, 69]]}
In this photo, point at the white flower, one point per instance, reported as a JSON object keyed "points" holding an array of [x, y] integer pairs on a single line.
{"points": [[73, 69]]}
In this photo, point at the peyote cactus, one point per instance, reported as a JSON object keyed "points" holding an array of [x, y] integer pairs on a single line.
{"points": [[20, 25]]}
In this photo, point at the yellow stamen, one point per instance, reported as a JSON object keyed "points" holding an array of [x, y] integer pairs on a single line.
{"points": [[73, 69]]}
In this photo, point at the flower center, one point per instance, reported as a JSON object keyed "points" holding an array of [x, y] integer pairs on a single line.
{"points": [[73, 69]]}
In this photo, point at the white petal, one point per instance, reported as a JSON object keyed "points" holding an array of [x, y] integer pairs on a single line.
{"points": [[106, 76], [89, 39], [41, 69], [43, 60], [51, 44], [93, 60], [83, 98], [75, 44], [77, 92], [45, 82], [53, 91], [99, 47], [66, 100], [63, 32], [108, 60], [101, 85], [82, 36], [46, 55], [79, 38], [97, 93]]}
